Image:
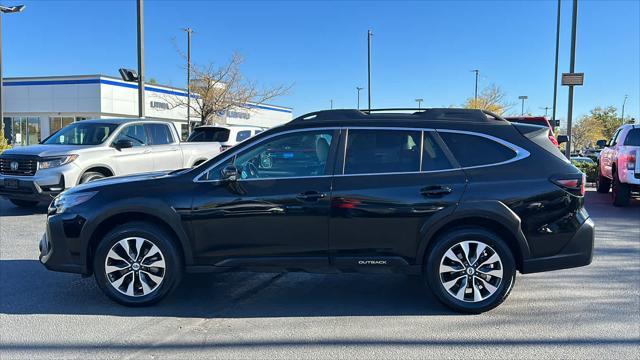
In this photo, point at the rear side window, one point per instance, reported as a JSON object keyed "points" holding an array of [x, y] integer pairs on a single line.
{"points": [[209, 134], [159, 134], [243, 135], [433, 158], [633, 138], [474, 150], [382, 151]]}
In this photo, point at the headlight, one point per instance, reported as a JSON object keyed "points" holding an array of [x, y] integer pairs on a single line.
{"points": [[52, 162], [65, 201]]}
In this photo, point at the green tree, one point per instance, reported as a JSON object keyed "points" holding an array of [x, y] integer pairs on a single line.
{"points": [[607, 118]]}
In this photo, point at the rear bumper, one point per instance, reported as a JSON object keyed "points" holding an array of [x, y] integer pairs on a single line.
{"points": [[578, 252]]}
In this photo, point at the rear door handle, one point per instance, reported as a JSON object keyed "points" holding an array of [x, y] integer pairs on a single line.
{"points": [[436, 190], [311, 196]]}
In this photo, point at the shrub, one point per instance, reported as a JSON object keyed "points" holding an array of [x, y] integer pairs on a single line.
{"points": [[591, 170]]}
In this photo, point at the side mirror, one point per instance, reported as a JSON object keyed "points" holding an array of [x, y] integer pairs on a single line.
{"points": [[123, 144], [601, 143], [229, 173], [562, 139]]}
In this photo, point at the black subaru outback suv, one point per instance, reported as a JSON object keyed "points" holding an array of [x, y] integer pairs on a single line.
{"points": [[463, 197]]}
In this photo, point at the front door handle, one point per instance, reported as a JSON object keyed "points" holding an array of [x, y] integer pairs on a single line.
{"points": [[436, 190], [311, 196]]}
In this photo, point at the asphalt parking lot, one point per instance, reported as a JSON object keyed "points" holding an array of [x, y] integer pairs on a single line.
{"points": [[589, 312]]}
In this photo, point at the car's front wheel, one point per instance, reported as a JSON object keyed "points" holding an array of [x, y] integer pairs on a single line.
{"points": [[470, 270], [137, 264], [603, 184]]}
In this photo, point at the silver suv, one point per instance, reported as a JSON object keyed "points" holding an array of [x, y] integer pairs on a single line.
{"points": [[94, 149]]}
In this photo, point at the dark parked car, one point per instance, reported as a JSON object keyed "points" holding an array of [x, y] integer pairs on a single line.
{"points": [[462, 197]]}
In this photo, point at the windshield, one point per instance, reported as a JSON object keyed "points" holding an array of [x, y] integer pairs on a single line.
{"points": [[209, 134], [82, 134]]}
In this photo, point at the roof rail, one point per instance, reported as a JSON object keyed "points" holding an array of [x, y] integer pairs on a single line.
{"points": [[445, 114]]}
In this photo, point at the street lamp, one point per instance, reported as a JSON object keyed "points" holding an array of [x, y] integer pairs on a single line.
{"points": [[5, 10], [475, 94], [358, 88], [189, 31], [623, 104], [369, 35], [331, 104], [546, 110], [419, 101], [140, 13], [523, 98]]}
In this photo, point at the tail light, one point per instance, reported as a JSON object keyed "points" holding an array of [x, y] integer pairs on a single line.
{"points": [[629, 158], [553, 139], [574, 183]]}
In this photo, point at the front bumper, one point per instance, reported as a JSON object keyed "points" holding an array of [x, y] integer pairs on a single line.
{"points": [[60, 248], [45, 185], [578, 252]]}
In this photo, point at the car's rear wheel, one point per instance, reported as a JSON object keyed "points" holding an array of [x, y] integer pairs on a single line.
{"points": [[603, 184], [137, 264], [620, 192], [470, 270], [23, 203]]}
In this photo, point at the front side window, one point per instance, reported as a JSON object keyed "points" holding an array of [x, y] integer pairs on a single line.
{"points": [[299, 154], [475, 150], [135, 133], [243, 135], [159, 134], [382, 151], [82, 133]]}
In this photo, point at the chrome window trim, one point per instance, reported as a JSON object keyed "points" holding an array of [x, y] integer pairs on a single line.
{"points": [[520, 152], [234, 153]]}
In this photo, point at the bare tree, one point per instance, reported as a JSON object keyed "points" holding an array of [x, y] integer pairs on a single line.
{"points": [[491, 98], [217, 89]]}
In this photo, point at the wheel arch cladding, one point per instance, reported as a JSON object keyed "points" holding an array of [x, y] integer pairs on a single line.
{"points": [[107, 224], [490, 215]]}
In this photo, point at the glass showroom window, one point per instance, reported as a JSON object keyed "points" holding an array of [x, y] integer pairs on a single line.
{"points": [[58, 122], [26, 130]]}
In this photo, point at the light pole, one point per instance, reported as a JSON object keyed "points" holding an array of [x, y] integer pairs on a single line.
{"points": [[189, 31], [331, 104], [546, 110], [523, 98], [5, 10], [623, 103], [572, 65], [475, 94], [140, 58], [555, 76], [419, 101], [358, 88], [369, 35]]}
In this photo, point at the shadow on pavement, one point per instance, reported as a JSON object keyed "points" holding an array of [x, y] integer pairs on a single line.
{"points": [[28, 288]]}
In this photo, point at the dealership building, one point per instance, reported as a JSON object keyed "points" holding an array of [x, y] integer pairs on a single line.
{"points": [[35, 107]]}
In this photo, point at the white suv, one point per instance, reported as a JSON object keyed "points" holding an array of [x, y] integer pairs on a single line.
{"points": [[226, 135], [619, 165]]}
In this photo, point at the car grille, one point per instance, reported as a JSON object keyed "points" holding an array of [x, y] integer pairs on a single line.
{"points": [[25, 165]]}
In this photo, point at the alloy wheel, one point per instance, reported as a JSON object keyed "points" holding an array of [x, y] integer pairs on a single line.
{"points": [[135, 266], [471, 271]]}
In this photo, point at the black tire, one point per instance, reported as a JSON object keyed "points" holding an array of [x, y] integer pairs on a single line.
{"points": [[172, 257], [447, 241], [91, 176], [24, 203], [620, 192], [603, 184]]}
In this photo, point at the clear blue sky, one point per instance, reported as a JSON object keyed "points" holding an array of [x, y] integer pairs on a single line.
{"points": [[420, 49]]}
